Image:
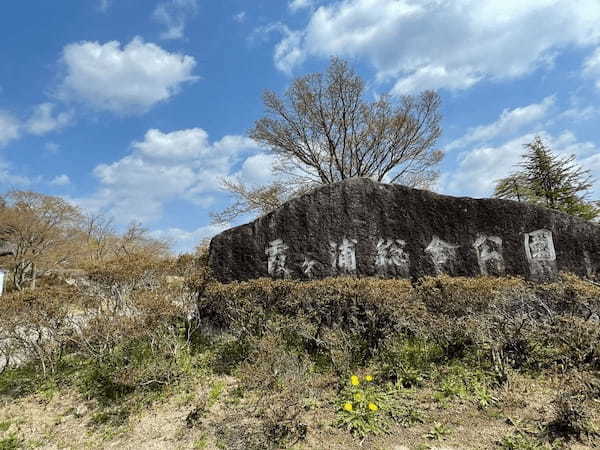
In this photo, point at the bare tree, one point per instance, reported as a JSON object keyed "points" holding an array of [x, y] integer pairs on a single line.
{"points": [[98, 231], [257, 199], [323, 130], [39, 229], [326, 132], [137, 241]]}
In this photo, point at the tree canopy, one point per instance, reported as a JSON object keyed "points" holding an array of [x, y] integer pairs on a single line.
{"points": [[323, 130], [548, 180]]}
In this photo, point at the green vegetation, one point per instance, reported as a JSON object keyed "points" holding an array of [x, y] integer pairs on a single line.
{"points": [[273, 364], [550, 181]]}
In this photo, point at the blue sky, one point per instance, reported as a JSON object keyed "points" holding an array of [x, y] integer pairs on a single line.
{"points": [[137, 108]]}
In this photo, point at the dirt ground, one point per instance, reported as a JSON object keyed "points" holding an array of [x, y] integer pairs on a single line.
{"points": [[63, 420]]}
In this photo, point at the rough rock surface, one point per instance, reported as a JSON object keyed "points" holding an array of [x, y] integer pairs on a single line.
{"points": [[361, 227]]}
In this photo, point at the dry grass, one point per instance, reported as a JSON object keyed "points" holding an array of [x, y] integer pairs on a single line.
{"points": [[65, 420]]}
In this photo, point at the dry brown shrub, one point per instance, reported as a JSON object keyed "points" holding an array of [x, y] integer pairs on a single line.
{"points": [[36, 326], [371, 305], [460, 296]]}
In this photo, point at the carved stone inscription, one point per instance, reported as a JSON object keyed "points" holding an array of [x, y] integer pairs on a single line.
{"points": [[343, 256], [443, 254], [308, 267], [489, 255], [391, 258], [541, 255], [276, 253]]}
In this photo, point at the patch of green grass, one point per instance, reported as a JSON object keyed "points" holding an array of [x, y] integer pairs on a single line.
{"points": [[5, 425], [11, 443], [519, 441], [226, 356], [110, 417], [215, 392], [201, 443], [438, 432], [18, 382]]}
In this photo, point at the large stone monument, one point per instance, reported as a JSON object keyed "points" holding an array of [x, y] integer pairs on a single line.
{"points": [[363, 228]]}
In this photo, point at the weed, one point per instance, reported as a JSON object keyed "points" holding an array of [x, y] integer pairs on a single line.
{"points": [[520, 441], [11, 443], [571, 417], [201, 443], [228, 355], [409, 416], [438, 432], [483, 396], [110, 417], [215, 392]]}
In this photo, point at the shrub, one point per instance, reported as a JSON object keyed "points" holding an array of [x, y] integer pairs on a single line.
{"points": [[368, 309], [571, 417], [36, 326], [408, 360], [279, 381]]}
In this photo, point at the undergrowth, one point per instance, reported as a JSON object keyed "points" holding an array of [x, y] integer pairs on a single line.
{"points": [[287, 345]]}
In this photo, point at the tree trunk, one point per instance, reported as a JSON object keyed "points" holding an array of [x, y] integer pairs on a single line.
{"points": [[33, 275]]}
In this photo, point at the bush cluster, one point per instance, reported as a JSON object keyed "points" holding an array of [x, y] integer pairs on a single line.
{"points": [[507, 321], [122, 328], [138, 327]]}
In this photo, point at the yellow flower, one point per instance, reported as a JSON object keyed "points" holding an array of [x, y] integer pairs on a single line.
{"points": [[359, 396], [354, 380], [348, 406], [369, 378], [373, 407]]}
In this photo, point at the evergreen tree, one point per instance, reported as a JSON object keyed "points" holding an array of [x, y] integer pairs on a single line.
{"points": [[550, 181]]}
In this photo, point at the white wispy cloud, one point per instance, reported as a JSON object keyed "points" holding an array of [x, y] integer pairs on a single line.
{"points": [[422, 44], [288, 53], [240, 17], [296, 5], [52, 147], [42, 120], [10, 128], [591, 67], [9, 178], [173, 15], [60, 180], [182, 240], [509, 122], [124, 80], [103, 5]]}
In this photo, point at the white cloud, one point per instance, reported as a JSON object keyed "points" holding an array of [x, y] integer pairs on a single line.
{"points": [[103, 5], [240, 17], [60, 180], [9, 179], [42, 121], [288, 53], [454, 44], [185, 241], [296, 5], [52, 147], [164, 167], [174, 14], [257, 170], [591, 67], [128, 80], [509, 122], [479, 169], [9, 128]]}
